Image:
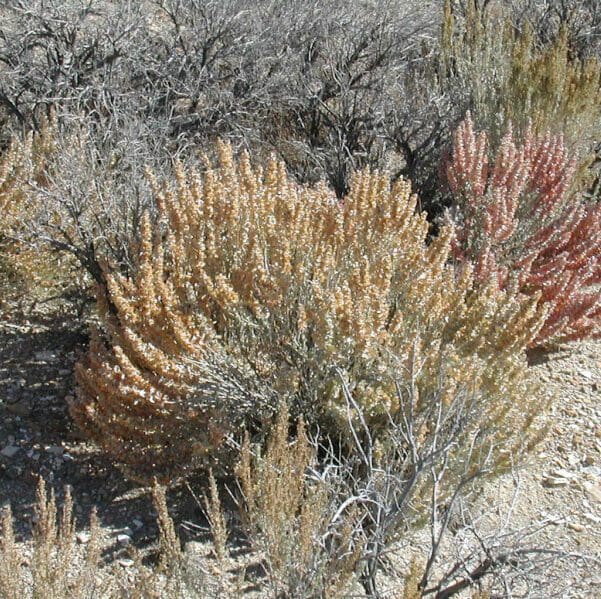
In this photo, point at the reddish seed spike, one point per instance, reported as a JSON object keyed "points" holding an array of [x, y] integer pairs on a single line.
{"points": [[542, 247]]}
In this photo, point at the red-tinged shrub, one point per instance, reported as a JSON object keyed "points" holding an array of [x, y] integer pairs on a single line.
{"points": [[519, 221]]}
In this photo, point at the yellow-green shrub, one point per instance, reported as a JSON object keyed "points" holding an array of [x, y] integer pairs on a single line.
{"points": [[512, 77], [250, 289], [23, 166]]}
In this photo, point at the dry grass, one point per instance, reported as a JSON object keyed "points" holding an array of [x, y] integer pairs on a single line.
{"points": [[290, 519], [52, 569]]}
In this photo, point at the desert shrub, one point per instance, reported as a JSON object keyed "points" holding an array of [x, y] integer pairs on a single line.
{"points": [[250, 289], [24, 163], [326, 85], [23, 166], [518, 75], [49, 570], [521, 224], [54, 565]]}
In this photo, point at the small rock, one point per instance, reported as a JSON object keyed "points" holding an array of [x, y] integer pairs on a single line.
{"points": [[591, 518], [593, 490], [552, 481], [83, 537], [562, 473], [587, 374], [137, 523], [126, 563], [593, 470], [575, 526], [13, 472], [10, 451], [45, 356], [56, 450], [123, 539]]}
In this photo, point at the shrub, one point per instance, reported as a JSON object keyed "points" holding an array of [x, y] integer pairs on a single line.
{"points": [[24, 165], [520, 223], [512, 75], [49, 572], [250, 290], [321, 84]]}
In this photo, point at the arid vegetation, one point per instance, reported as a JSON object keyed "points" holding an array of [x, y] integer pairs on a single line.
{"points": [[312, 245]]}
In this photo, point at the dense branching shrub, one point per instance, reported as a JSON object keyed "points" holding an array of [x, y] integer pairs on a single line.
{"points": [[249, 290], [330, 86], [512, 73], [521, 224]]}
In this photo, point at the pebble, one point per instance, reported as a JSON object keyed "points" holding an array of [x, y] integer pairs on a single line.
{"points": [[45, 356], [10, 451], [56, 450], [137, 523], [591, 518], [562, 473], [575, 526], [573, 459], [14, 472], [553, 481], [123, 539], [593, 490], [126, 563], [593, 470], [83, 537]]}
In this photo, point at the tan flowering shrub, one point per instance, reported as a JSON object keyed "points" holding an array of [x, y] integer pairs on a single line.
{"points": [[24, 163], [24, 166], [251, 289]]}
